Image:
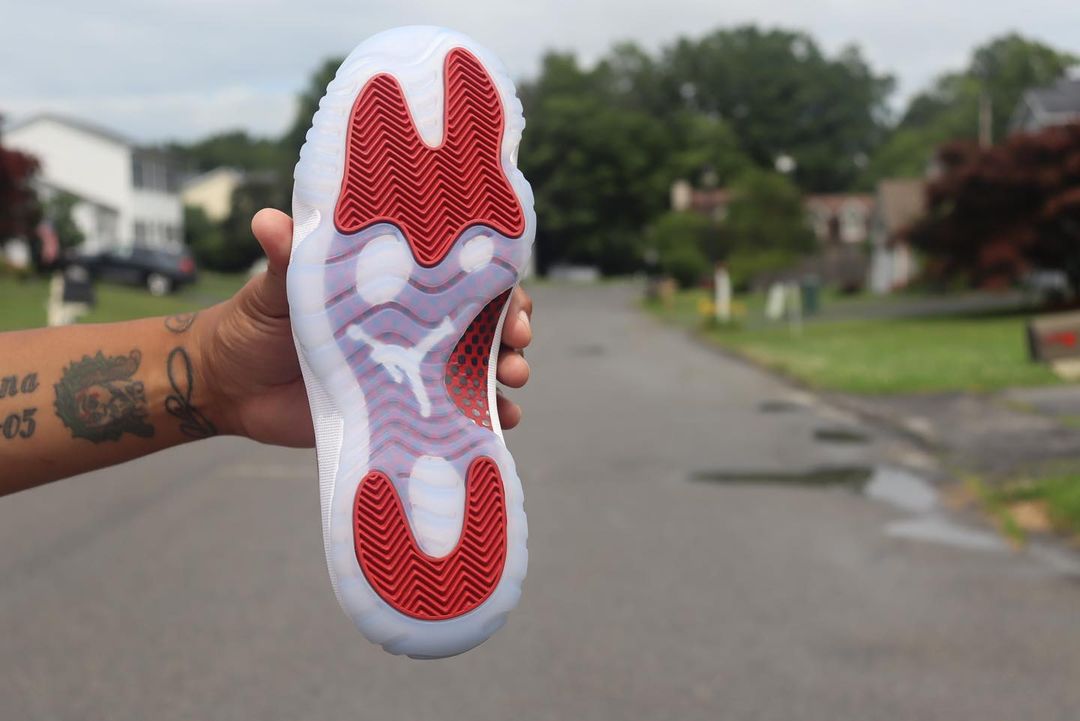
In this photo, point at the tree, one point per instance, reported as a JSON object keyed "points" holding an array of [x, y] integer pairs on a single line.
{"points": [[995, 213], [205, 238], [686, 246], [781, 95], [766, 227], [1001, 70], [233, 149], [59, 211], [19, 209], [306, 105], [230, 246], [598, 172]]}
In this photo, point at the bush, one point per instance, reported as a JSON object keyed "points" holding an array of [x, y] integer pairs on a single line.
{"points": [[686, 244]]}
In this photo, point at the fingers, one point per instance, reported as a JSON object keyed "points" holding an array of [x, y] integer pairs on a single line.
{"points": [[509, 412], [517, 330], [273, 230], [511, 368], [265, 294]]}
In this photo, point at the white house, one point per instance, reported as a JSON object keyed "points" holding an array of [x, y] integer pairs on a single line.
{"points": [[900, 203], [128, 195]]}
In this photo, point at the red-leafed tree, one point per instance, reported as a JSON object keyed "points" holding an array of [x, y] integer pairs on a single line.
{"points": [[998, 212], [19, 209]]}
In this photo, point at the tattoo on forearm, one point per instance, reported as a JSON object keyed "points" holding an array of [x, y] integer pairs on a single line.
{"points": [[11, 385], [193, 423], [19, 425], [98, 398], [180, 322]]}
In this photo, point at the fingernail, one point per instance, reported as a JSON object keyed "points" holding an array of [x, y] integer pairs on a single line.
{"points": [[525, 319]]}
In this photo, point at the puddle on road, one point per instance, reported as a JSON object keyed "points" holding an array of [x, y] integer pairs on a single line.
{"points": [[840, 435], [938, 529], [925, 521], [893, 485], [854, 477], [780, 405], [901, 488], [898, 487]]}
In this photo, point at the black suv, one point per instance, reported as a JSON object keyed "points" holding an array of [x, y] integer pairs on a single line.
{"points": [[160, 271]]}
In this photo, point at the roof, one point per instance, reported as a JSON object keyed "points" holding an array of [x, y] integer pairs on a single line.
{"points": [[77, 124], [1061, 97], [1054, 104], [835, 202], [705, 200], [901, 202]]}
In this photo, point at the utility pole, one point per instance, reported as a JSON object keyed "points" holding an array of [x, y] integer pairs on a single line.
{"points": [[986, 120]]}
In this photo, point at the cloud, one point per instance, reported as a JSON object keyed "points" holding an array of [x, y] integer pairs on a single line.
{"points": [[157, 69], [151, 117]]}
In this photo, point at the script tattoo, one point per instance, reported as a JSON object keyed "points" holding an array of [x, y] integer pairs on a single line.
{"points": [[180, 322], [193, 423], [98, 399], [12, 386]]}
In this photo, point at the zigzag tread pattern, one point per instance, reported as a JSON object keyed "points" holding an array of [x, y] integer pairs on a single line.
{"points": [[430, 194], [419, 585]]}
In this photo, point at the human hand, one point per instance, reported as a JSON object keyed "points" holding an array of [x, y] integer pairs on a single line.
{"points": [[249, 361]]}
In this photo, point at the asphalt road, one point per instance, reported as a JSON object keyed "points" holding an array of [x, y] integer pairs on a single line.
{"points": [[191, 585]]}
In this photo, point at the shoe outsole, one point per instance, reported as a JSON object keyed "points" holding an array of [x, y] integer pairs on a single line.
{"points": [[412, 226]]}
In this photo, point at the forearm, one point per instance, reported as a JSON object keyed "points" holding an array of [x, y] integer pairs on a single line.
{"points": [[83, 397]]}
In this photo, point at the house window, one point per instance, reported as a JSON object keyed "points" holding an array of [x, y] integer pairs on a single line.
{"points": [[153, 173], [141, 233]]}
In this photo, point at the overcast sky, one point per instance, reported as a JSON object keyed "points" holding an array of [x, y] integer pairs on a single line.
{"points": [[157, 70]]}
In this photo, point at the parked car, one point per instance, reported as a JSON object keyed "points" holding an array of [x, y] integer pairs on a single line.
{"points": [[160, 271]]}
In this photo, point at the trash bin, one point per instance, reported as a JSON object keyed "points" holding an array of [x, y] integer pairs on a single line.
{"points": [[811, 295]]}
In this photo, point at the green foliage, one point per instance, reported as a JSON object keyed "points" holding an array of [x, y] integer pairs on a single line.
{"points": [[682, 242], [598, 172], [233, 149], [766, 215], [745, 266], [706, 150], [240, 249], [1060, 491], [782, 95], [204, 238], [229, 246], [1002, 69], [58, 211], [306, 105]]}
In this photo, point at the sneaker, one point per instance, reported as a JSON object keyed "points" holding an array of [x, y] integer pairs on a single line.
{"points": [[412, 226]]}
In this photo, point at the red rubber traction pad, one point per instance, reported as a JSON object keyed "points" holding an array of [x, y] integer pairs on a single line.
{"points": [[430, 194], [467, 369], [411, 581]]}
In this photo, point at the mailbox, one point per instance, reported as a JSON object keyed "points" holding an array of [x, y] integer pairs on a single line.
{"points": [[1054, 337]]}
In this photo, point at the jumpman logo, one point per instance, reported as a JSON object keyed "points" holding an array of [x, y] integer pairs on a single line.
{"points": [[404, 363]]}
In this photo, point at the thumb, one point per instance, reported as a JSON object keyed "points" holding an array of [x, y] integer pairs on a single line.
{"points": [[273, 229], [265, 294]]}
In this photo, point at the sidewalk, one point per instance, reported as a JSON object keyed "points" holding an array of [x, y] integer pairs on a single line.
{"points": [[996, 435]]}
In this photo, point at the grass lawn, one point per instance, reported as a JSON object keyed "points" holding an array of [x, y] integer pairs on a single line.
{"points": [[22, 302], [914, 355], [1055, 497]]}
